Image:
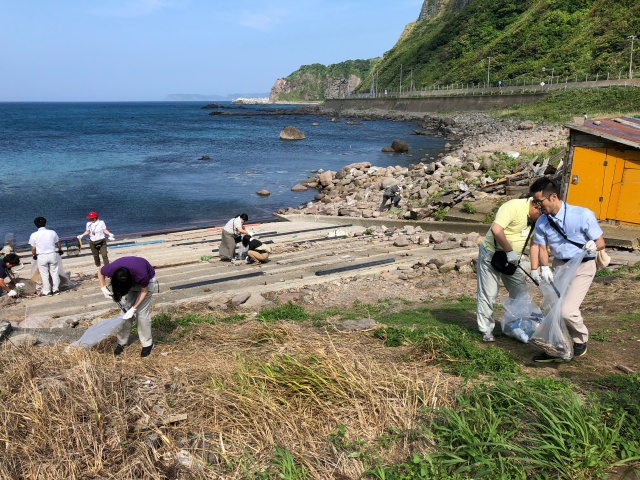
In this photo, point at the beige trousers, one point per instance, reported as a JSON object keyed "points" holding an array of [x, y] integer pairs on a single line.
{"points": [[257, 256], [573, 298]]}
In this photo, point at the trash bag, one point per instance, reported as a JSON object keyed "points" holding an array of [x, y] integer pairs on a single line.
{"points": [[521, 318], [98, 332], [65, 277], [552, 336]]}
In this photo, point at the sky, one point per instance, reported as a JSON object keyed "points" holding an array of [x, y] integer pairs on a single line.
{"points": [[144, 50]]}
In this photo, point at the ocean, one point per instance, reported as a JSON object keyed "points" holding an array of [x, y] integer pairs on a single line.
{"points": [[139, 164]]}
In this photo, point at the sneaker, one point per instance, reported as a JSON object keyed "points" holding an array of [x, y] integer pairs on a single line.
{"points": [[55, 292], [488, 337], [46, 294], [146, 351], [579, 349], [544, 358], [119, 349]]}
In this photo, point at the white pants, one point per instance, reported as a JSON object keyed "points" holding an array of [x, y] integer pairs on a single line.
{"points": [[143, 315], [48, 264], [573, 297], [488, 286]]}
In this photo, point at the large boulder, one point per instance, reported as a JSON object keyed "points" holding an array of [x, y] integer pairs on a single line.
{"points": [[298, 187], [399, 146], [291, 133]]}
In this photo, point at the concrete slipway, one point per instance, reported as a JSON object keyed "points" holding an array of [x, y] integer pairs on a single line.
{"points": [[306, 251]]}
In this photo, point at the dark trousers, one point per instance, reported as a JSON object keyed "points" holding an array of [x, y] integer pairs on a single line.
{"points": [[99, 248], [396, 200]]}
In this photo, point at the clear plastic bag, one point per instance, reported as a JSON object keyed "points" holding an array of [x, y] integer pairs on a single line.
{"points": [[521, 318], [553, 336], [98, 332]]}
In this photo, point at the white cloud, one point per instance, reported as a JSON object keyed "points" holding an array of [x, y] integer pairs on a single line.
{"points": [[138, 8]]}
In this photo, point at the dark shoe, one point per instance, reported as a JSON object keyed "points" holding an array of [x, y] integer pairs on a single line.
{"points": [[249, 260], [146, 351], [544, 358], [55, 292], [579, 349], [119, 349], [225, 259]]}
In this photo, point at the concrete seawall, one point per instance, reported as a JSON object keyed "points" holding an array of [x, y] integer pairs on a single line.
{"points": [[466, 103]]}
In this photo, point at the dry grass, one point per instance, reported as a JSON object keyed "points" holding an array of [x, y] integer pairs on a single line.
{"points": [[244, 389]]}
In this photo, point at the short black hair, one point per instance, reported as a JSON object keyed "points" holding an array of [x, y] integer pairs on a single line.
{"points": [[244, 216], [245, 240], [544, 185], [12, 258], [121, 283], [40, 222]]}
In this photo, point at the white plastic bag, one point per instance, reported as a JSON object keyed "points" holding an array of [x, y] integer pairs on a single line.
{"points": [[98, 332], [552, 336], [521, 318]]}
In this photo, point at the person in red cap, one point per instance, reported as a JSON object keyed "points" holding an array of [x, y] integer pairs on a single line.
{"points": [[97, 239]]}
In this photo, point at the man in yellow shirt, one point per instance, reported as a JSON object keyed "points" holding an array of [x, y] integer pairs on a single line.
{"points": [[508, 233]]}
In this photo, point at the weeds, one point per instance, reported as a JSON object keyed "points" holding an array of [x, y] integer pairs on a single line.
{"points": [[205, 258], [440, 213], [467, 207], [287, 311]]}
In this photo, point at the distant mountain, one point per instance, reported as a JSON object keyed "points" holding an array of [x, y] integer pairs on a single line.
{"points": [[195, 97]]}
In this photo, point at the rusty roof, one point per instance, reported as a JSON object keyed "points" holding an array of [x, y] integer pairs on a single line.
{"points": [[625, 130]]}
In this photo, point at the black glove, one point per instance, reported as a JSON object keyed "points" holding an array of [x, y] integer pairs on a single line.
{"points": [[60, 252], [35, 257]]}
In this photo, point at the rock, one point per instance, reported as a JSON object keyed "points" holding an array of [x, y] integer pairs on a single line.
{"points": [[325, 178], [298, 187], [356, 325], [291, 133], [266, 193], [240, 298], [448, 267], [315, 124], [349, 212], [204, 157], [527, 125], [436, 237], [399, 146], [388, 150], [388, 182], [43, 322], [255, 302], [486, 164], [23, 340], [401, 241]]}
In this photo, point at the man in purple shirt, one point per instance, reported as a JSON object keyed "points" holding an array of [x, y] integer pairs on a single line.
{"points": [[134, 279]]}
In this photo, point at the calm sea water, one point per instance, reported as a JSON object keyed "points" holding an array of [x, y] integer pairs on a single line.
{"points": [[138, 164]]}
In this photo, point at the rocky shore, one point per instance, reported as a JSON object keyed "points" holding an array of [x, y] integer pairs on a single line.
{"points": [[483, 152]]}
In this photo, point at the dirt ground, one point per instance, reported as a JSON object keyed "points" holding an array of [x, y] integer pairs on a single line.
{"points": [[611, 311]]}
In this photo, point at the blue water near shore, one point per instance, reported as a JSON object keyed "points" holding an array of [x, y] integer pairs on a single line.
{"points": [[138, 164]]}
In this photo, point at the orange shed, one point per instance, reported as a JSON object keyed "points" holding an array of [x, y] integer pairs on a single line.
{"points": [[603, 169]]}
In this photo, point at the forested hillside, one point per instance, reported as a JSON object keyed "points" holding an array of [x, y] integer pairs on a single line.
{"points": [[521, 37], [508, 39]]}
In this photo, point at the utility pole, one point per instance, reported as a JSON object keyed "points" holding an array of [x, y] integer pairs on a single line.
{"points": [[632, 38], [488, 67]]}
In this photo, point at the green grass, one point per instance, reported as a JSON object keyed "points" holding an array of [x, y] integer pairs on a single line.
{"points": [[467, 207], [530, 428], [287, 311], [561, 106], [205, 258], [168, 329], [440, 213]]}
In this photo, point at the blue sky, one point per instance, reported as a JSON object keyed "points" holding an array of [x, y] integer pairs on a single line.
{"points": [[111, 50]]}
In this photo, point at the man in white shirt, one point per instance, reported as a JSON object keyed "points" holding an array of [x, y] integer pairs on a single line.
{"points": [[44, 244]]}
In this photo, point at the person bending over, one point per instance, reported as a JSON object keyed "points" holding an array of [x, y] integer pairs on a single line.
{"points": [[134, 280], [232, 231], [6, 264]]}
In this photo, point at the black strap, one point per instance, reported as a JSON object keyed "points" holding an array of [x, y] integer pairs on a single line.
{"points": [[564, 235]]}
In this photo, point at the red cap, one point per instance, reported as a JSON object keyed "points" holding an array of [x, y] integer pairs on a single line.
{"points": [[92, 215]]}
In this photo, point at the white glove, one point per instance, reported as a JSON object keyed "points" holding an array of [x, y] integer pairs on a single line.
{"points": [[535, 275], [590, 247], [12, 293], [130, 313], [79, 237], [512, 257], [112, 238], [546, 274], [19, 285], [106, 292]]}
